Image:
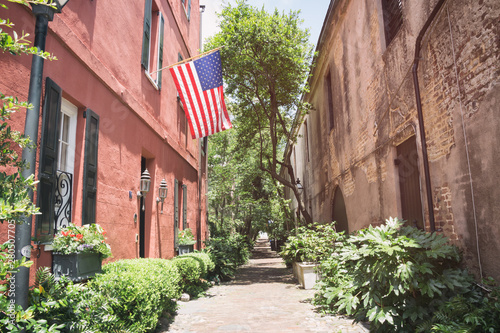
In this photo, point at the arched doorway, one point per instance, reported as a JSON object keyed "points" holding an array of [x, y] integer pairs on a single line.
{"points": [[339, 213]]}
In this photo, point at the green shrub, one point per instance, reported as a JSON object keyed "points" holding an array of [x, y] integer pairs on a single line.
{"points": [[130, 294], [476, 311], [189, 269], [193, 271], [206, 264], [228, 253], [393, 276], [311, 244]]}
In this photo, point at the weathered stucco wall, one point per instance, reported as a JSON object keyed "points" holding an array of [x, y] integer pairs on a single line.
{"points": [[375, 111]]}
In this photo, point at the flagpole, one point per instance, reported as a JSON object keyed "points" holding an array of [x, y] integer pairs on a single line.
{"points": [[189, 59]]}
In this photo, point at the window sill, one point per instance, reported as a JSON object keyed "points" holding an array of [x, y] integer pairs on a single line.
{"points": [[186, 12], [153, 82]]}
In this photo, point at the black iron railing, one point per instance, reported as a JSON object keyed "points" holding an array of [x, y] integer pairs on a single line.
{"points": [[64, 191]]}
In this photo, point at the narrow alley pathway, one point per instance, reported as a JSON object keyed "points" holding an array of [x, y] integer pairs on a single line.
{"points": [[262, 298]]}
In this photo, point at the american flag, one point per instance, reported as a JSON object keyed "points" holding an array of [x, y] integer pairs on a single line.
{"points": [[199, 83]]}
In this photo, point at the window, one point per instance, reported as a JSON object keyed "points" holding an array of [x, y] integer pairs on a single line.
{"points": [[152, 43], [57, 159], [393, 18], [329, 92], [65, 165], [187, 8], [67, 134]]}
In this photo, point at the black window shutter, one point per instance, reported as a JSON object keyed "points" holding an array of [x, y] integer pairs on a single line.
{"points": [[176, 212], [160, 54], [146, 34], [184, 207], [189, 10], [90, 167], [48, 161]]}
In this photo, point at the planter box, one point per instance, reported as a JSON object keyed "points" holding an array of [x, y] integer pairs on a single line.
{"points": [[306, 274], [183, 249], [77, 267]]}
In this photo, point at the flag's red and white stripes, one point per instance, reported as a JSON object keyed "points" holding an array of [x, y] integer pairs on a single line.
{"points": [[205, 110]]}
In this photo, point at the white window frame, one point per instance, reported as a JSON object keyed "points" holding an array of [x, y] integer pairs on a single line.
{"points": [[70, 110], [148, 71]]}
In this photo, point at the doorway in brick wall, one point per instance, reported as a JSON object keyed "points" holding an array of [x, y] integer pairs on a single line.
{"points": [[339, 213], [409, 183]]}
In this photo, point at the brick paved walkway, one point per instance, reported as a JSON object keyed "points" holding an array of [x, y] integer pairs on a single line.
{"points": [[262, 298]]}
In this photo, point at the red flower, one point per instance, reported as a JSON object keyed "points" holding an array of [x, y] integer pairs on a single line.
{"points": [[79, 236], [103, 233], [65, 233], [72, 235]]}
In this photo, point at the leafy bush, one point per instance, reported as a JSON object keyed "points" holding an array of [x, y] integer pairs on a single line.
{"points": [[193, 272], [228, 253], [136, 291], [477, 311], [206, 264], [311, 244], [12, 317], [393, 276], [189, 270], [129, 296]]}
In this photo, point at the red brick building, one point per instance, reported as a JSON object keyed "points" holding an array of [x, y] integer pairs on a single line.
{"points": [[360, 157], [106, 117]]}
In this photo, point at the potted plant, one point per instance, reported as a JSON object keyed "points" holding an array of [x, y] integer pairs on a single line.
{"points": [[79, 251], [307, 248], [186, 241]]}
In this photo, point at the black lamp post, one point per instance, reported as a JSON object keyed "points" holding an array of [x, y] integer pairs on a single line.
{"points": [[162, 193], [43, 14], [144, 186]]}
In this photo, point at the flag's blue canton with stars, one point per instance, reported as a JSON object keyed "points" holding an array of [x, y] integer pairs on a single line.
{"points": [[200, 88], [209, 71]]}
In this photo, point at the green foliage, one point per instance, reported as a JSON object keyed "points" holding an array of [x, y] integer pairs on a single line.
{"points": [[204, 260], [241, 197], [193, 271], [12, 317], [131, 294], [228, 253], [86, 239], [266, 64], [312, 243], [19, 44], [14, 188], [476, 311], [393, 276]]}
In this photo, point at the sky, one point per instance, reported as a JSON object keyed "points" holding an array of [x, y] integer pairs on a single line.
{"points": [[311, 11]]}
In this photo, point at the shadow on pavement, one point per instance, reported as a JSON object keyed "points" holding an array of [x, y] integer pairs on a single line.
{"points": [[265, 266]]}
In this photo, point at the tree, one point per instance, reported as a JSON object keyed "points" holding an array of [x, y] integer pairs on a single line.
{"points": [[266, 62], [241, 198]]}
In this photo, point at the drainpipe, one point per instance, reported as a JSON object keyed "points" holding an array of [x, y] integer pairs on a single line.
{"points": [[418, 45], [200, 155]]}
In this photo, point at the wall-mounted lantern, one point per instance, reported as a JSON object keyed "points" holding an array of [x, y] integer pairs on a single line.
{"points": [[144, 186], [299, 186], [162, 193]]}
